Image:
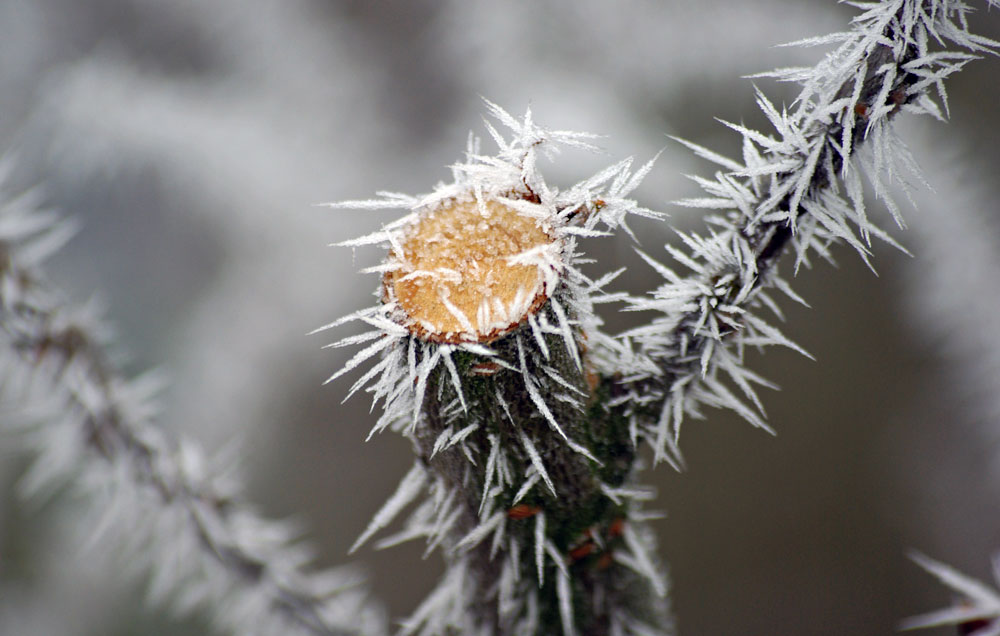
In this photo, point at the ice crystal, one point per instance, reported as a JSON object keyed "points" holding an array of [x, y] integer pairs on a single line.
{"points": [[485, 348]]}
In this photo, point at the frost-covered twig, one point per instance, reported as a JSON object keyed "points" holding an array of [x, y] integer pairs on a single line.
{"points": [[801, 190], [189, 529]]}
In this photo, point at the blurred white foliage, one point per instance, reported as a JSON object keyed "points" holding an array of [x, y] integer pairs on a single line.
{"points": [[159, 505], [957, 234], [955, 311], [603, 73], [225, 143]]}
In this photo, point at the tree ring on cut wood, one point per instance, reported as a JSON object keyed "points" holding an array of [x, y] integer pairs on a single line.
{"points": [[470, 271]]}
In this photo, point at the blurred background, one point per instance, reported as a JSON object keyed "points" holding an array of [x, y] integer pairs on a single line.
{"points": [[192, 140]]}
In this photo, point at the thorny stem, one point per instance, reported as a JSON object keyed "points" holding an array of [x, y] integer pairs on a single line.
{"points": [[579, 508], [769, 240]]}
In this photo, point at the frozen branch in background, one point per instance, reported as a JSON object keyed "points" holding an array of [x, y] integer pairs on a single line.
{"points": [[186, 527]]}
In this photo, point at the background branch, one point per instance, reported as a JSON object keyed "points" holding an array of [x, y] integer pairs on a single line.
{"points": [[203, 546]]}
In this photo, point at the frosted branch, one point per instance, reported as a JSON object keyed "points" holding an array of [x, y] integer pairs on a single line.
{"points": [[798, 191], [183, 524]]}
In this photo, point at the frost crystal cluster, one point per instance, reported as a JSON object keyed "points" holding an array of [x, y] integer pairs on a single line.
{"points": [[525, 417]]}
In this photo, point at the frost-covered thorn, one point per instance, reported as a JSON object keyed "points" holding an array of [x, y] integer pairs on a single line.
{"points": [[977, 612]]}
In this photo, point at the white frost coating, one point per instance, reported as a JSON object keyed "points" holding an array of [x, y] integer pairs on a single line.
{"points": [[543, 408], [641, 561], [536, 461], [526, 487], [453, 374], [540, 547], [558, 559], [491, 466], [462, 434], [480, 532]]}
